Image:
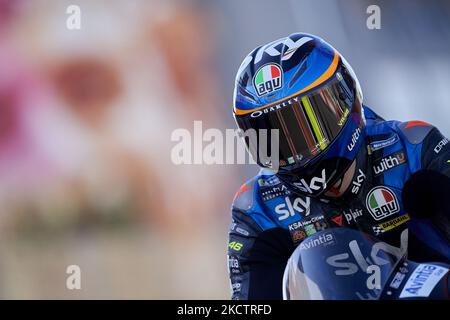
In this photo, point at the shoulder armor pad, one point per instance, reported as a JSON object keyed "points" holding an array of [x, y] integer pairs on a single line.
{"points": [[415, 131], [243, 199]]}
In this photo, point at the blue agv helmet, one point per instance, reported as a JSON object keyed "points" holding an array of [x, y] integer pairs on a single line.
{"points": [[301, 86]]}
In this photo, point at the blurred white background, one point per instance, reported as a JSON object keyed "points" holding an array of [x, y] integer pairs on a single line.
{"points": [[86, 117]]}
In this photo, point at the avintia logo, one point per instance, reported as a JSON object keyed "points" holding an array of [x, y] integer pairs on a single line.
{"points": [[268, 79], [322, 240], [382, 202], [423, 280]]}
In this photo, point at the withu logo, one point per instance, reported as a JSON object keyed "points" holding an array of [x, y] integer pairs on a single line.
{"points": [[355, 137], [389, 162]]}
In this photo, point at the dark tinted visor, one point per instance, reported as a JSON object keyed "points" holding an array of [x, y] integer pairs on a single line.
{"points": [[306, 124]]}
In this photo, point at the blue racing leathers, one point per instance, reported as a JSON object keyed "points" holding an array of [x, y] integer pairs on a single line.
{"points": [[402, 183]]}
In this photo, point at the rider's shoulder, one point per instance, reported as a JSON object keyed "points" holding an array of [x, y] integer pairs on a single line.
{"points": [[244, 197], [414, 131], [247, 196], [247, 203], [376, 125]]}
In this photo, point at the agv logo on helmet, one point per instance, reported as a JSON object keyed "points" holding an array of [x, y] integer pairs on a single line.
{"points": [[268, 79]]}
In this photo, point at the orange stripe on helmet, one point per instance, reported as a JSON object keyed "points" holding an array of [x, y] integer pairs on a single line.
{"points": [[325, 76]]}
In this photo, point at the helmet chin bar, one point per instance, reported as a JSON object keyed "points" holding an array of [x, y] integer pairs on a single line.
{"points": [[323, 174], [345, 183], [317, 179], [360, 164]]}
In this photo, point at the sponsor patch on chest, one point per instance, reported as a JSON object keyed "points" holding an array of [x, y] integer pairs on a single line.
{"points": [[382, 202], [304, 228]]}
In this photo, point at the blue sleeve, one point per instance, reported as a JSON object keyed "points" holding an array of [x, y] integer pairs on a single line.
{"points": [[258, 250]]}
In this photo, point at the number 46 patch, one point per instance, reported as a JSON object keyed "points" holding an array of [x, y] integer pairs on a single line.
{"points": [[236, 246]]}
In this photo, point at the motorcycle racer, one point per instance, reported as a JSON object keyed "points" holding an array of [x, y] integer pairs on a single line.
{"points": [[340, 164]]}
